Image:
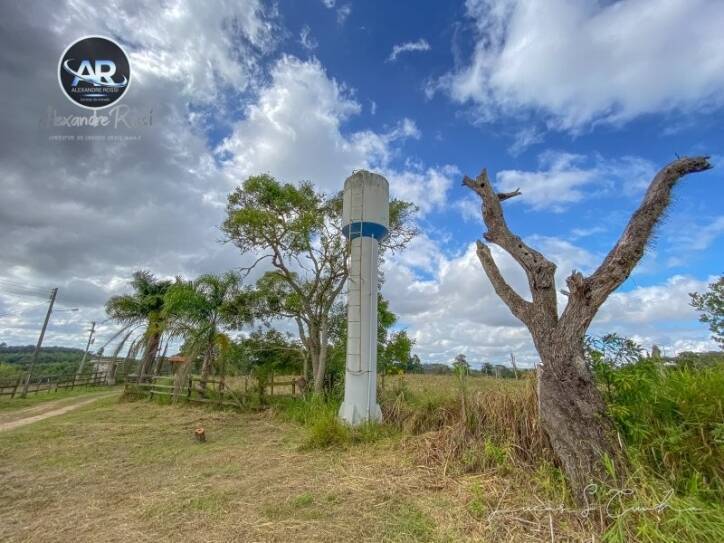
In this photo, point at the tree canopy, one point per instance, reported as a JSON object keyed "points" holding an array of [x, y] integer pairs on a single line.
{"points": [[299, 231]]}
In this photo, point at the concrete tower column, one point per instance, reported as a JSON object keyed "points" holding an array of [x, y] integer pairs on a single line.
{"points": [[365, 223]]}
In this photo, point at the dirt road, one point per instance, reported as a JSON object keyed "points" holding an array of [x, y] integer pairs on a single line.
{"points": [[46, 410]]}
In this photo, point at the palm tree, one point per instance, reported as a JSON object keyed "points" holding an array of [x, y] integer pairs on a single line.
{"points": [[199, 310], [144, 307]]}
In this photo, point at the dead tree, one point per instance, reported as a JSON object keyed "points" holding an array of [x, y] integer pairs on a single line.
{"points": [[571, 408]]}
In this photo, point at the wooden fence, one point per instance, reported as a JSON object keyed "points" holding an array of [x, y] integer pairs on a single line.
{"points": [[52, 383], [215, 392]]}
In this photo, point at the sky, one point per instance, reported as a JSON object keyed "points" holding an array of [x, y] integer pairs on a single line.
{"points": [[576, 102]]}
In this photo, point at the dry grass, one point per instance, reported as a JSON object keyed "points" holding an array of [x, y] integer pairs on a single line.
{"points": [[133, 472]]}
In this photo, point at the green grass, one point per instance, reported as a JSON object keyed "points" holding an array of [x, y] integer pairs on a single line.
{"points": [[33, 399], [406, 523]]}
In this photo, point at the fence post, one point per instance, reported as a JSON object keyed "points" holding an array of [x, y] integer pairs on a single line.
{"points": [[271, 391], [15, 388], [294, 386]]}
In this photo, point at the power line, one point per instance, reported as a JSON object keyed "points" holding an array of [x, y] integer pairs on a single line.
{"points": [[10, 287]]}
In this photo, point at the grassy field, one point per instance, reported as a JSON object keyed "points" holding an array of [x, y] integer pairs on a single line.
{"points": [[132, 471]]}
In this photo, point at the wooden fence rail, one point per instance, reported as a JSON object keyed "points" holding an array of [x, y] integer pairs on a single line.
{"points": [[52, 383], [215, 391]]}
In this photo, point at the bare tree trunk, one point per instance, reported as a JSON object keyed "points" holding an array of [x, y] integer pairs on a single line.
{"points": [[573, 415], [571, 408]]}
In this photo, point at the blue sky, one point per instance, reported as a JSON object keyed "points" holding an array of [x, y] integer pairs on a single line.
{"points": [[577, 103]]}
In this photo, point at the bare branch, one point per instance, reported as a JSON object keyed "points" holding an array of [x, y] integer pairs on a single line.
{"points": [[539, 270], [246, 270], [588, 294], [519, 307], [507, 195]]}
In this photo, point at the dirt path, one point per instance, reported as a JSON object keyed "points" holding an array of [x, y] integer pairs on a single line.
{"points": [[51, 409]]}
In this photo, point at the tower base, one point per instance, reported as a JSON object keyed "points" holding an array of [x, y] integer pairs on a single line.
{"points": [[354, 415]]}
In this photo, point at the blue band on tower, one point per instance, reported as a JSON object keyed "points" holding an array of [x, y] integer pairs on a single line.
{"points": [[365, 229]]}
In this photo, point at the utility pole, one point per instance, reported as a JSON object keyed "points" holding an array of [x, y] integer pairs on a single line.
{"points": [[87, 347], [53, 294]]}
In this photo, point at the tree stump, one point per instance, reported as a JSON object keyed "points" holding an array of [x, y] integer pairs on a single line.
{"points": [[200, 435]]}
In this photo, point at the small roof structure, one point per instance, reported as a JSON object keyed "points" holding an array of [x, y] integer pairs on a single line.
{"points": [[177, 359]]}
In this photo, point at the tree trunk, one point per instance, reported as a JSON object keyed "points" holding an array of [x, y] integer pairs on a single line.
{"points": [[573, 415], [572, 410], [321, 360], [206, 367], [149, 355], [158, 364], [305, 367]]}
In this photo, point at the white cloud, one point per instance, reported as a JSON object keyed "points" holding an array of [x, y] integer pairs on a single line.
{"points": [[698, 237], [343, 12], [408, 47], [578, 233], [202, 47], [666, 302], [275, 138], [449, 307], [586, 61], [564, 179], [329, 4], [157, 203], [524, 138], [306, 38]]}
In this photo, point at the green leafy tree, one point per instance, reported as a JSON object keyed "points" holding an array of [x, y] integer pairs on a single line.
{"points": [[201, 310], [299, 232], [393, 347], [414, 364], [711, 306], [269, 351], [144, 307], [460, 364]]}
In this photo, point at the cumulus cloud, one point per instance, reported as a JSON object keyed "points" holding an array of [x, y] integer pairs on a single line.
{"points": [[84, 216], [275, 138], [565, 178], [582, 62], [449, 307], [408, 47]]}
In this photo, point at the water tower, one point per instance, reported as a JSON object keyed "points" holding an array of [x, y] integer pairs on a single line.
{"points": [[365, 220]]}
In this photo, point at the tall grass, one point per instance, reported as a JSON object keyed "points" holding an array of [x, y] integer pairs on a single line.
{"points": [[462, 429], [318, 414], [672, 421]]}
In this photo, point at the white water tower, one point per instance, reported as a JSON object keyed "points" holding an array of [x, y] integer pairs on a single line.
{"points": [[365, 220]]}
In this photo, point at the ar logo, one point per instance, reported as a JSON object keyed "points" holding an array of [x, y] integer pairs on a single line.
{"points": [[94, 72], [100, 75]]}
